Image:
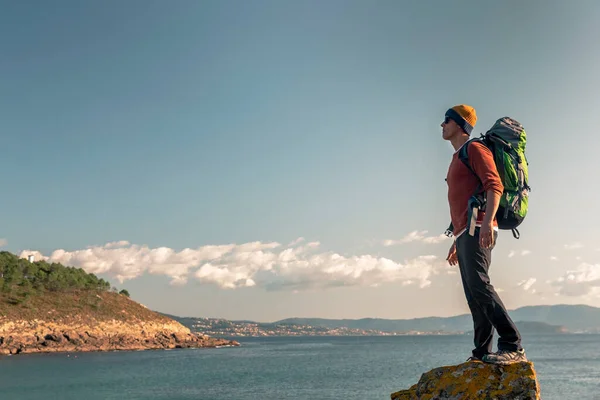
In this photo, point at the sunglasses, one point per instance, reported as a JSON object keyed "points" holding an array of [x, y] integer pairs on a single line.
{"points": [[447, 119]]}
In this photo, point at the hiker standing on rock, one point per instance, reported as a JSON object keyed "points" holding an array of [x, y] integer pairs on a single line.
{"points": [[475, 233]]}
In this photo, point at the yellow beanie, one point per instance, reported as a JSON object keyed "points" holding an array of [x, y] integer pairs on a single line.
{"points": [[464, 115]]}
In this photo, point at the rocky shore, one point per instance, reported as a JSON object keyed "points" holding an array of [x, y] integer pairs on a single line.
{"points": [[36, 336], [53, 308]]}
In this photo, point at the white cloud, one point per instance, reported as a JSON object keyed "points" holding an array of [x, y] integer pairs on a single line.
{"points": [[512, 253], [304, 268], [583, 280], [573, 246], [296, 241], [416, 236], [3, 242], [114, 245], [553, 258], [126, 261], [267, 265], [527, 283]]}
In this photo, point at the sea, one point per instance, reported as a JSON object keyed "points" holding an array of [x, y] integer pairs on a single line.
{"points": [[275, 368]]}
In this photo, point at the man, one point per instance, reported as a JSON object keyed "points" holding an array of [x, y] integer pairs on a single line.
{"points": [[472, 248]]}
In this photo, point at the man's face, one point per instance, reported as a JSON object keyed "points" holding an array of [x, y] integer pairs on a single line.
{"points": [[450, 129]]}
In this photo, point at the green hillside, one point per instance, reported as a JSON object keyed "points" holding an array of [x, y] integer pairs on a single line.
{"points": [[51, 291]]}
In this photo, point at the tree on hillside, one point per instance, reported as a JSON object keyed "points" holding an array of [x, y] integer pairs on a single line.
{"points": [[124, 292], [17, 273]]}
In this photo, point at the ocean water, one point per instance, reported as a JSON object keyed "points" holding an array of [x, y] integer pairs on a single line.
{"points": [[568, 367]]}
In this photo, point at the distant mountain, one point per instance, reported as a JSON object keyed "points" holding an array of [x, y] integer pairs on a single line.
{"points": [[572, 317], [528, 327], [531, 319]]}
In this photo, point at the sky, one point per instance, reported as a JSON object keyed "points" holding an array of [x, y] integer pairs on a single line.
{"points": [[264, 160]]}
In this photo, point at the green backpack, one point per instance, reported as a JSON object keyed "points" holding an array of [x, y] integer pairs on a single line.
{"points": [[506, 140]]}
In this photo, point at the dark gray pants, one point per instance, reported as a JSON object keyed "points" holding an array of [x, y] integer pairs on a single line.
{"points": [[487, 309]]}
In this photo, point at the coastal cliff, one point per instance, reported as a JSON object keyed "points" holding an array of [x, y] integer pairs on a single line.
{"points": [[132, 328], [51, 308], [475, 381]]}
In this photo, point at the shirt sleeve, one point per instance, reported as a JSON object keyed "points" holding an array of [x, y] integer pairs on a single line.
{"points": [[482, 162]]}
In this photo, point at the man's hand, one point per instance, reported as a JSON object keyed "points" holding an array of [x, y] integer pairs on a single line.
{"points": [[486, 235], [452, 256]]}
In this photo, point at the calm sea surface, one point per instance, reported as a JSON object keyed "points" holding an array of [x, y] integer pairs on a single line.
{"points": [[286, 368]]}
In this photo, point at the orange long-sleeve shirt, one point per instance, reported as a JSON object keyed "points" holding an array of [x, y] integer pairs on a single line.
{"points": [[462, 183]]}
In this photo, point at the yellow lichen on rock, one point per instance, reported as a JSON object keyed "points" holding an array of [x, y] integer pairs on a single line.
{"points": [[477, 381]]}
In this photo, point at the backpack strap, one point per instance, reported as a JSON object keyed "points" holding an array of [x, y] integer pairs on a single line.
{"points": [[463, 155], [516, 233], [477, 200]]}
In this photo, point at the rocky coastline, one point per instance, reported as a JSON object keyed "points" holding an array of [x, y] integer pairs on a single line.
{"points": [[38, 336], [48, 308]]}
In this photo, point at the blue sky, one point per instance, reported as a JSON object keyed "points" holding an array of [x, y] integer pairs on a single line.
{"points": [[135, 130]]}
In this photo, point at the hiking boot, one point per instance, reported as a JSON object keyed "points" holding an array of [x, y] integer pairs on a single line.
{"points": [[474, 359], [505, 357]]}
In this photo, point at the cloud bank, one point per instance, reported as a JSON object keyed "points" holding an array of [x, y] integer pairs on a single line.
{"points": [[582, 281], [416, 236], [297, 266]]}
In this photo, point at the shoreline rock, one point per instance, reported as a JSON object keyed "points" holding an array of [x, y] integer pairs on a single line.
{"points": [[477, 381], [37, 336]]}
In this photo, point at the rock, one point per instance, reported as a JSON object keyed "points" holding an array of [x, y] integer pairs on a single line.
{"points": [[48, 336], [54, 337], [476, 381]]}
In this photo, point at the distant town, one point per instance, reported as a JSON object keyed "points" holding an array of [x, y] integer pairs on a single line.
{"points": [[223, 327]]}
